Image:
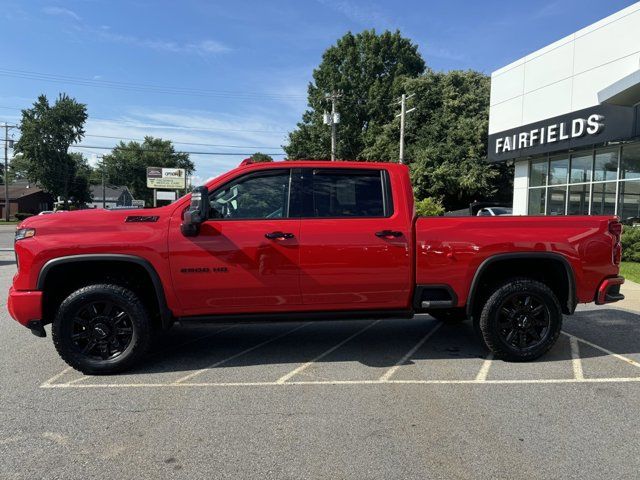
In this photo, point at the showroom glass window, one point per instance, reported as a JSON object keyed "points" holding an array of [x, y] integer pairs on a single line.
{"points": [[594, 181]]}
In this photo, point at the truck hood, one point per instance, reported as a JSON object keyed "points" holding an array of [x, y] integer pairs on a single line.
{"points": [[93, 219]]}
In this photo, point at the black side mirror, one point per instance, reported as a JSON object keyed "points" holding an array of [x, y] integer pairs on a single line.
{"points": [[197, 213]]}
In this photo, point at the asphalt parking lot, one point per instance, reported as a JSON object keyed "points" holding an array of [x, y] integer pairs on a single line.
{"points": [[355, 399]]}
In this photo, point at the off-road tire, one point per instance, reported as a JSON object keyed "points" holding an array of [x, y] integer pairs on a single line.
{"points": [[493, 316], [123, 300]]}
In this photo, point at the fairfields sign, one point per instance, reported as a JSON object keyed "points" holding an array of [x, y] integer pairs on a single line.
{"points": [[591, 126]]}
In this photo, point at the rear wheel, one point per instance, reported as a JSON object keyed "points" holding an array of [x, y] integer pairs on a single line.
{"points": [[101, 329], [521, 320]]}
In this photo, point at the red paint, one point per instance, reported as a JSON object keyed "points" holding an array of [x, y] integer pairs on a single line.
{"points": [[328, 264]]}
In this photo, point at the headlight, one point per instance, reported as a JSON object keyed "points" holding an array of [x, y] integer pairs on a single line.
{"points": [[22, 233]]}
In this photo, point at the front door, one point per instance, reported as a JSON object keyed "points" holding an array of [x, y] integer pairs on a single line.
{"points": [[355, 246], [246, 256]]}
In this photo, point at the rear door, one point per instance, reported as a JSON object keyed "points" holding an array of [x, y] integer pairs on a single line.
{"points": [[354, 244]]}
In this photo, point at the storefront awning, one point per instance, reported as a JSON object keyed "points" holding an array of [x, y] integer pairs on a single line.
{"points": [[625, 92]]}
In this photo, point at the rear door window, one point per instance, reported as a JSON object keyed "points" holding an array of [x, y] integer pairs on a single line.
{"points": [[346, 193]]}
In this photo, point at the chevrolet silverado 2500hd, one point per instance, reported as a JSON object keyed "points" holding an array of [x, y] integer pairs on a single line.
{"points": [[303, 240]]}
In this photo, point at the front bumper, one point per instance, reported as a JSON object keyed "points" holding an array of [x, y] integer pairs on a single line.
{"points": [[25, 306], [609, 291]]}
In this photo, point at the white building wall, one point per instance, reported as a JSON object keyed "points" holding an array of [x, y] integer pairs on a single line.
{"points": [[520, 187], [568, 74]]}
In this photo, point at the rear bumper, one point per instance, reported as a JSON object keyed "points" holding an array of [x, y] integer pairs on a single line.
{"points": [[25, 306], [609, 291]]}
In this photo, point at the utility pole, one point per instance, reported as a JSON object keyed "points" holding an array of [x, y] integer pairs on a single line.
{"points": [[7, 205], [333, 119], [402, 115]]}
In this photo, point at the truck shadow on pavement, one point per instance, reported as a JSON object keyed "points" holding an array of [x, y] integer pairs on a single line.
{"points": [[376, 345]]}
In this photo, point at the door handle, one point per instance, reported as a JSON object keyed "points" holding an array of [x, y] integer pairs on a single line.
{"points": [[278, 235], [388, 233]]}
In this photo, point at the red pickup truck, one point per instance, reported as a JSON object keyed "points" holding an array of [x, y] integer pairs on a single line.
{"points": [[303, 240]]}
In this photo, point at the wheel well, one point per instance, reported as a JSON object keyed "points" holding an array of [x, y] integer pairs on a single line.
{"points": [[553, 272], [63, 279]]}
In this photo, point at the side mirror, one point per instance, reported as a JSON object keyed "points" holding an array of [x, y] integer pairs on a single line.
{"points": [[197, 213]]}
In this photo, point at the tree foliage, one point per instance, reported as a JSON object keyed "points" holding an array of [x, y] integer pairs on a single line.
{"points": [[446, 139], [47, 132], [429, 207], [631, 244], [127, 164], [259, 157], [364, 67]]}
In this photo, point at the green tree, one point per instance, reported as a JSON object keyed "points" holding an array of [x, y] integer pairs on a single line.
{"points": [[47, 132], [79, 192], [261, 157], [18, 168], [446, 139], [429, 207], [127, 164], [364, 67]]}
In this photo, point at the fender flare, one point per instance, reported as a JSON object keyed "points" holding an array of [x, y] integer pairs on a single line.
{"points": [[571, 296], [165, 314]]}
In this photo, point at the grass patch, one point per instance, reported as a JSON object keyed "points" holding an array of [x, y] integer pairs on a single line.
{"points": [[631, 271]]}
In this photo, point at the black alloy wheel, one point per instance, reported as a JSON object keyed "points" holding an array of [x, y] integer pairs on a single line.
{"points": [[101, 329], [521, 320]]}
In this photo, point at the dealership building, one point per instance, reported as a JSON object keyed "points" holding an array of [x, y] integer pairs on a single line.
{"points": [[567, 115]]}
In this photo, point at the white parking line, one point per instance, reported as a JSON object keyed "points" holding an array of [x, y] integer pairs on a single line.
{"points": [[304, 366], [349, 382], [578, 374], [602, 349], [481, 378], [389, 373], [484, 370], [48, 382], [217, 364]]}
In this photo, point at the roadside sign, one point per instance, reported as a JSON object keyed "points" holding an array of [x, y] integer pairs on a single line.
{"points": [[162, 195], [166, 178]]}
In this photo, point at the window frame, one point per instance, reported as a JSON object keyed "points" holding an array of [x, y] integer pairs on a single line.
{"points": [[307, 191], [257, 174]]}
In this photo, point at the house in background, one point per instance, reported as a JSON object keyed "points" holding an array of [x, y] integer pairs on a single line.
{"points": [[25, 198], [114, 196]]}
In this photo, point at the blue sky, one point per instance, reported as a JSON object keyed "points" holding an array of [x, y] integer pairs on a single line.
{"points": [[234, 74]]}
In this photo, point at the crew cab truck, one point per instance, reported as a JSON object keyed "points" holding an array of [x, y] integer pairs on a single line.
{"points": [[303, 240]]}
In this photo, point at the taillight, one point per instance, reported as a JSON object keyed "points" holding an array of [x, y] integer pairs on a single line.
{"points": [[615, 229]]}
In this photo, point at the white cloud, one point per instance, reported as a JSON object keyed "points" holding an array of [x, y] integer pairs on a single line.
{"points": [[204, 47], [191, 127], [63, 12], [367, 15]]}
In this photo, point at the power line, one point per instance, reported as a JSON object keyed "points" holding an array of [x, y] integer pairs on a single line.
{"points": [[96, 147], [166, 126], [141, 87], [185, 143]]}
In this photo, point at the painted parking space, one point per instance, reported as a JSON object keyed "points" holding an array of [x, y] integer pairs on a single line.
{"points": [[398, 352]]}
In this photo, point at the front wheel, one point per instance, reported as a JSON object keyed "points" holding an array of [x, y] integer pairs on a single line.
{"points": [[521, 320], [101, 329]]}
